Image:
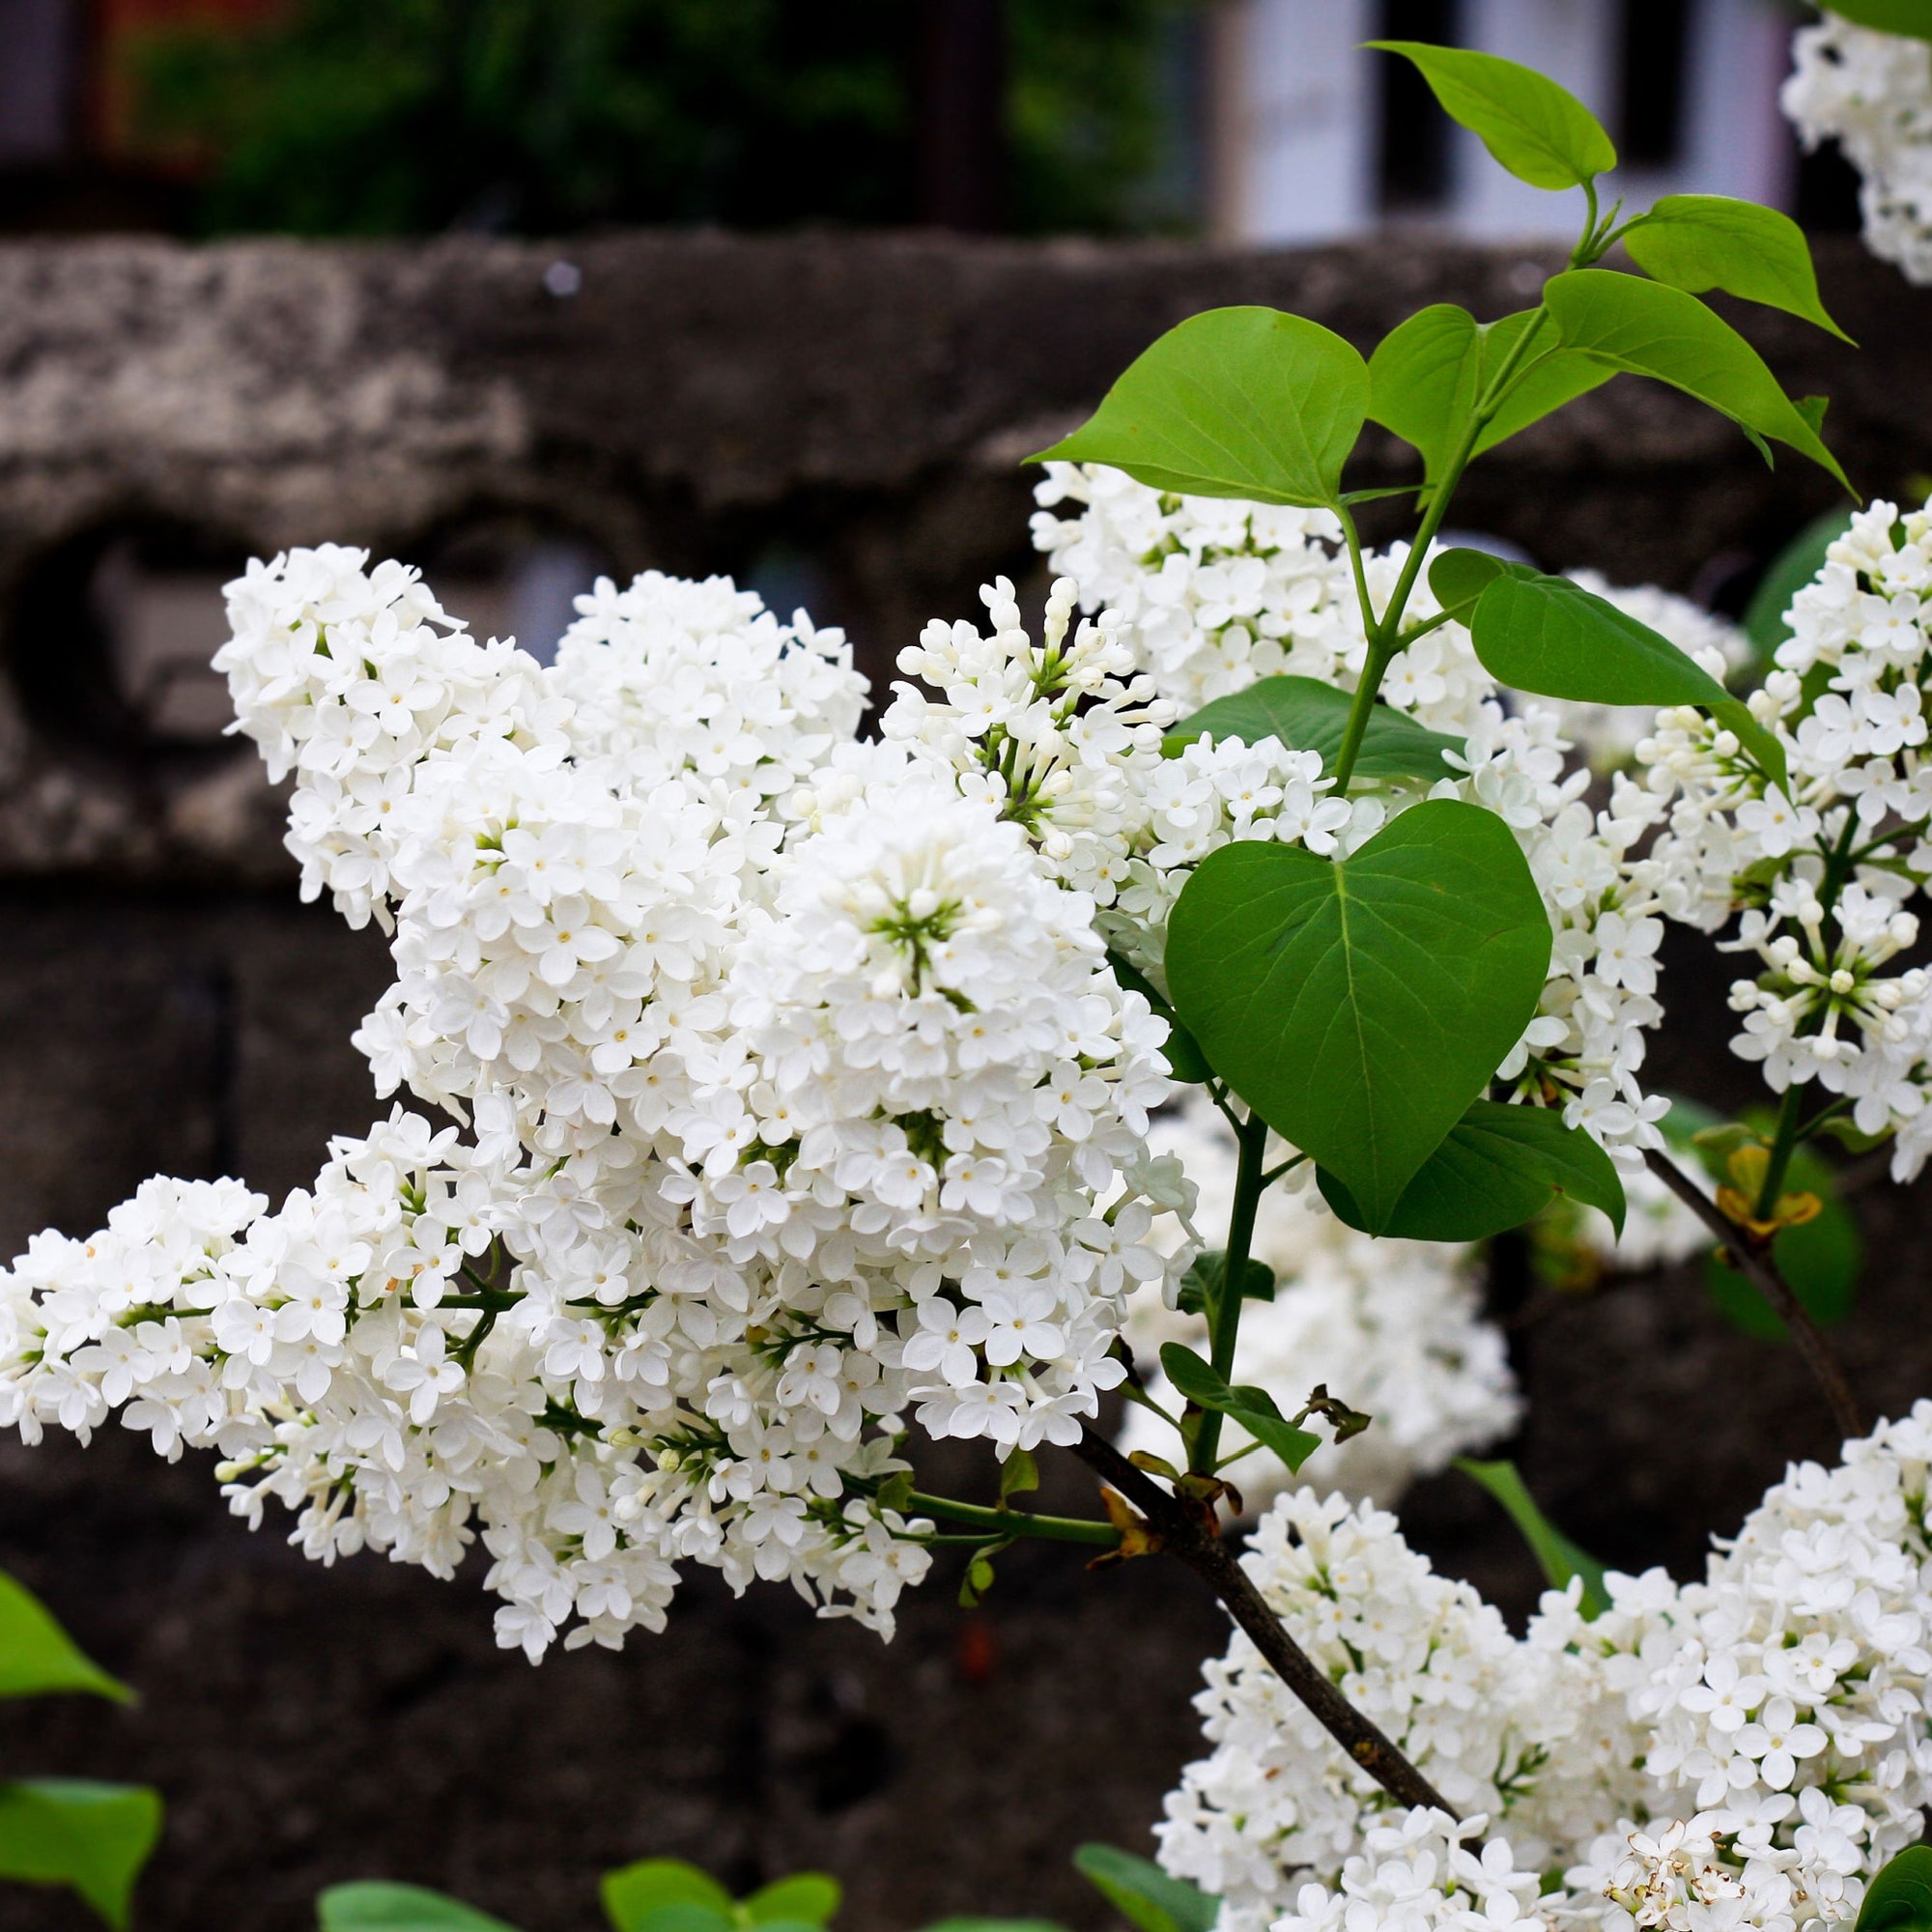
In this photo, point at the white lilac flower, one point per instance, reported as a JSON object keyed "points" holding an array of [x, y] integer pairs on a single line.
{"points": [[1871, 92], [770, 1048], [1822, 870], [1745, 1749]]}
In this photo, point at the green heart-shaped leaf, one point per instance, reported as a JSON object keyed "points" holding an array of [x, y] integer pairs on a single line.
{"points": [[1308, 715], [1648, 329], [1238, 402], [1360, 1007], [1541, 132], [1698, 241], [1498, 1167]]}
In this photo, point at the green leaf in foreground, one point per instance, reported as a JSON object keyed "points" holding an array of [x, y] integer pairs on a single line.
{"points": [[1360, 1006], [1910, 17], [1237, 402], [1788, 573], [811, 1898], [1498, 1168], [376, 1905], [1143, 1894], [632, 1892], [37, 1656], [93, 1838], [1698, 241], [1550, 636], [1427, 377], [1308, 715], [1899, 1897], [1645, 328], [1541, 132], [1559, 1559], [1253, 1408]]}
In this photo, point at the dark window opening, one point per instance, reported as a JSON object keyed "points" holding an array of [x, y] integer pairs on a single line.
{"points": [[1653, 64], [1414, 157]]}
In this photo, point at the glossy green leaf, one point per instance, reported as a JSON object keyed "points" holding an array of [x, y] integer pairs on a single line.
{"points": [[1788, 573], [1238, 402], [1541, 132], [1143, 1894], [633, 1891], [1427, 377], [1186, 1061], [37, 1656], [1910, 17], [1699, 241], [1458, 576], [1308, 715], [811, 1898], [1560, 1559], [1253, 1408], [1360, 1006], [1899, 1896], [93, 1838], [1648, 329], [1550, 636], [1498, 1167], [1821, 1259]]}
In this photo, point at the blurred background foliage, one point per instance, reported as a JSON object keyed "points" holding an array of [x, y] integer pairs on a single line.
{"points": [[409, 117]]}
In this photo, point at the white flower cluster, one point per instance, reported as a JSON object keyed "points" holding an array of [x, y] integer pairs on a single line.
{"points": [[1212, 595], [1392, 1328], [1206, 597], [1423, 1872], [1743, 1750], [799, 1098], [1872, 94], [1825, 870]]}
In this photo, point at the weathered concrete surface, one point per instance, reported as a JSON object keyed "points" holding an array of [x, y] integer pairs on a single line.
{"points": [[862, 400]]}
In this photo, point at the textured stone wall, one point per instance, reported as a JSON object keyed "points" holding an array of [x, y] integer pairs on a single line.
{"points": [[166, 1005]]}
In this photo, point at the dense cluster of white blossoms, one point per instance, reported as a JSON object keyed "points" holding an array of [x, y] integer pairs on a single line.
{"points": [[799, 1100], [1208, 596], [1871, 92], [1393, 1328], [799, 1106], [1743, 1750], [1826, 869]]}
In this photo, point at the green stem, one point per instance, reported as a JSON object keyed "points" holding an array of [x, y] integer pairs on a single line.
{"points": [[1384, 631], [1225, 1312], [1014, 1523], [1789, 1115]]}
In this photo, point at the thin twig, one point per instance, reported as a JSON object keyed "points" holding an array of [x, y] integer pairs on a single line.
{"points": [[1192, 1535], [1752, 1256]]}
